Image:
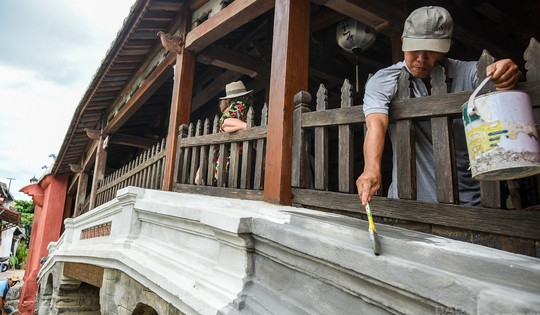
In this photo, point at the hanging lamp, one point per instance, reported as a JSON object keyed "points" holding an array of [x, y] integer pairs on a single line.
{"points": [[355, 37]]}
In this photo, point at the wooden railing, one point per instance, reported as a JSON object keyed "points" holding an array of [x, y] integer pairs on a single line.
{"points": [[315, 172], [146, 171], [199, 148]]}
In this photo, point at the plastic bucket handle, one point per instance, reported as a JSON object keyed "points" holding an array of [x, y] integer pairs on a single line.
{"points": [[471, 107]]}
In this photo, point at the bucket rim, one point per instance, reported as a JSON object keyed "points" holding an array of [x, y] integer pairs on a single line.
{"points": [[496, 92]]}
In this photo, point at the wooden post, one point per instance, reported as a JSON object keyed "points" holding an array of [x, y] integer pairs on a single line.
{"points": [[99, 170], [180, 109], [289, 74], [405, 148], [81, 193], [397, 53], [346, 144], [446, 177], [300, 153]]}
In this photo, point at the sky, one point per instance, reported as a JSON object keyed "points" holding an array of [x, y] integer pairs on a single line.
{"points": [[49, 52]]}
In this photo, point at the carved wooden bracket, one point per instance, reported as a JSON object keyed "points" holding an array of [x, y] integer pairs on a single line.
{"points": [[171, 43], [92, 134], [76, 168]]}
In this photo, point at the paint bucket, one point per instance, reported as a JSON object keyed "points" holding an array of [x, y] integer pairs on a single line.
{"points": [[501, 135]]}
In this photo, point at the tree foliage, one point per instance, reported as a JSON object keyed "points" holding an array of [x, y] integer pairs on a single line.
{"points": [[26, 208]]}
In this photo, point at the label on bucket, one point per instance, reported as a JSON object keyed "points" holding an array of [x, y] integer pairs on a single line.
{"points": [[483, 138]]}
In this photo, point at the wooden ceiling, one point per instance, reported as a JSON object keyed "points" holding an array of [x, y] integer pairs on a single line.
{"points": [[504, 28]]}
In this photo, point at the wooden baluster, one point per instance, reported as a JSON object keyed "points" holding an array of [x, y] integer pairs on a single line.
{"points": [[178, 164], [195, 155], [221, 182], [532, 65], [321, 144], [161, 164], [405, 146], [258, 178], [247, 155], [140, 171], [147, 168], [119, 184], [234, 161], [128, 180], [203, 157], [138, 174], [346, 145], [115, 186], [532, 60], [490, 191], [301, 173], [187, 157], [444, 156], [151, 168], [485, 60], [212, 151]]}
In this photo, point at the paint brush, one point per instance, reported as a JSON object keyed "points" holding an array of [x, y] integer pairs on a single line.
{"points": [[373, 235]]}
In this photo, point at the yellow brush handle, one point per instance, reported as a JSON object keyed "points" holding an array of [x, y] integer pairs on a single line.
{"points": [[370, 218]]}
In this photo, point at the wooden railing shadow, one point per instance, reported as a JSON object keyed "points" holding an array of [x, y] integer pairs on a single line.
{"points": [[201, 147], [513, 230]]}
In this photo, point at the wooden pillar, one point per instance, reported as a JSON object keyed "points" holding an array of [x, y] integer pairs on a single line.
{"points": [[289, 75], [99, 170], [180, 104], [397, 53], [81, 193], [49, 197]]}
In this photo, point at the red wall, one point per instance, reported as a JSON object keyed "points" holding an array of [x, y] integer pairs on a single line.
{"points": [[49, 196]]}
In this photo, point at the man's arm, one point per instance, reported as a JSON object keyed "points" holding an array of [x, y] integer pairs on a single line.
{"points": [[370, 180]]}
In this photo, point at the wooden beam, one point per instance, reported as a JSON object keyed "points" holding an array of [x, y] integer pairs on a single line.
{"points": [[385, 19], [91, 156], [225, 21], [145, 91], [99, 170], [235, 61], [132, 141], [180, 105], [73, 184], [215, 87], [323, 18], [289, 74]]}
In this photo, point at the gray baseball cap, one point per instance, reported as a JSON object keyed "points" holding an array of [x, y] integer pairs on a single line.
{"points": [[428, 28]]}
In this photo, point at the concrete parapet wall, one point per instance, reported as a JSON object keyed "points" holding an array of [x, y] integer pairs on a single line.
{"points": [[208, 255]]}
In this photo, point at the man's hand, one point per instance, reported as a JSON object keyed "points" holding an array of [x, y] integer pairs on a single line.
{"points": [[368, 183], [504, 74]]}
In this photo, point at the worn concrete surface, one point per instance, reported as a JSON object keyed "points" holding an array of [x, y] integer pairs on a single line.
{"points": [[226, 256]]}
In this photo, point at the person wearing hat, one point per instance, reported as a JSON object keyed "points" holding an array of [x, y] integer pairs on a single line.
{"points": [[5, 285], [427, 37], [233, 107]]}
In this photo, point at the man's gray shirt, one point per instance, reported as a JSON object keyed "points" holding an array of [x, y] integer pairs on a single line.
{"points": [[382, 88]]}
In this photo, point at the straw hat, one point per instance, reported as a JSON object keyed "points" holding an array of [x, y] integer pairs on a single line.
{"points": [[14, 278], [235, 89]]}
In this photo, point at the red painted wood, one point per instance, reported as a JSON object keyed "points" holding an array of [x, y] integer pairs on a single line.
{"points": [[289, 74], [180, 110], [48, 221]]}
